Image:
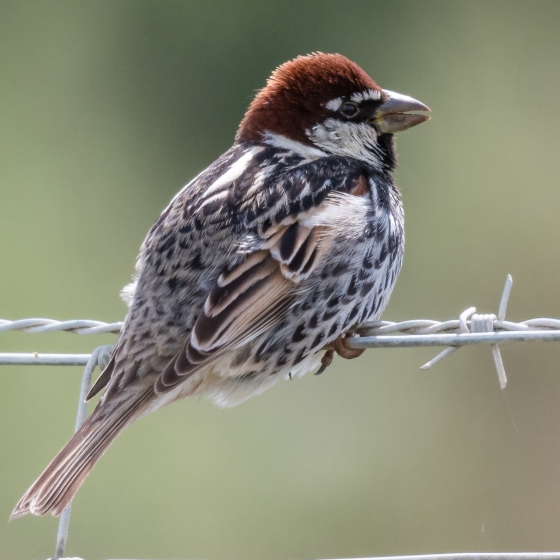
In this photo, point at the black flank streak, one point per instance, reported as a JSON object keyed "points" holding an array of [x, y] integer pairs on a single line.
{"points": [[314, 321], [328, 315], [318, 339], [353, 313], [282, 360], [366, 289], [196, 263], [167, 243], [340, 269], [299, 333], [352, 290], [300, 356], [363, 275], [363, 315], [333, 301], [382, 256], [327, 292]]}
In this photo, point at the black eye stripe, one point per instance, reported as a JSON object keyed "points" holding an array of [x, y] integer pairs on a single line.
{"points": [[362, 112]]}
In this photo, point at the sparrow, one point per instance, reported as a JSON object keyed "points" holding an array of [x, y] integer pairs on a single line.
{"points": [[259, 267]]}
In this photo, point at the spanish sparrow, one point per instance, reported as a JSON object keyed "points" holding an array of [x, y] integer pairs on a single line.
{"points": [[261, 263]]}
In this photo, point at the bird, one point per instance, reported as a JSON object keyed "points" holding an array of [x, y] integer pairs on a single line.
{"points": [[262, 265]]}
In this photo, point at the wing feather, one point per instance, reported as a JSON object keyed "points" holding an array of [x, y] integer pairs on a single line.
{"points": [[247, 300], [283, 250]]}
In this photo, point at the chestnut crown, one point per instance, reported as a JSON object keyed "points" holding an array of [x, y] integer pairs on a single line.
{"points": [[297, 93], [328, 102]]}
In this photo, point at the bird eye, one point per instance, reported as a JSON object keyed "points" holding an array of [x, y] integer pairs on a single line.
{"points": [[349, 110]]}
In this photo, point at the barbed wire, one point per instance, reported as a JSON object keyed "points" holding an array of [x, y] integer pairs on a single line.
{"points": [[469, 328], [80, 326]]}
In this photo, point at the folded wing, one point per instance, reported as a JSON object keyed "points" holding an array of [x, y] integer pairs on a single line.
{"points": [[248, 299]]}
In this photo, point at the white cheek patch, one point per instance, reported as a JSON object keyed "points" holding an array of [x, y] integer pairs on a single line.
{"points": [[356, 140]]}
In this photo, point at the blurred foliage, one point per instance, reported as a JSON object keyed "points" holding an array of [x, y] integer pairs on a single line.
{"points": [[109, 107]]}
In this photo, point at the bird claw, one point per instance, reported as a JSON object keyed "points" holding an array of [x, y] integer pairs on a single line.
{"points": [[326, 361], [341, 347]]}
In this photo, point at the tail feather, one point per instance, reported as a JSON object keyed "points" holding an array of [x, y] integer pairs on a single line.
{"points": [[59, 482]]}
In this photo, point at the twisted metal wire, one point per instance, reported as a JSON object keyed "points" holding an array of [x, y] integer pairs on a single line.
{"points": [[469, 328], [370, 328], [476, 323], [50, 325]]}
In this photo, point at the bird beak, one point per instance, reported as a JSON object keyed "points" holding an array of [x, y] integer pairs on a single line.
{"points": [[393, 115]]}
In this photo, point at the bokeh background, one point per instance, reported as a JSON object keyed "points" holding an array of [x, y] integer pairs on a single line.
{"points": [[109, 107]]}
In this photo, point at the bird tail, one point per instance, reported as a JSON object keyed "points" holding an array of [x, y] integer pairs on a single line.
{"points": [[59, 482]]}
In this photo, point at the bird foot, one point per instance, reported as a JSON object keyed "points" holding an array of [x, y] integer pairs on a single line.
{"points": [[341, 347], [344, 350]]}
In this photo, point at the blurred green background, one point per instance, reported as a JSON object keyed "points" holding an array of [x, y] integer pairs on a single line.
{"points": [[109, 107]]}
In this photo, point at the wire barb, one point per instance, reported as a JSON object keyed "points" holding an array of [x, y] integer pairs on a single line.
{"points": [[469, 328], [482, 324]]}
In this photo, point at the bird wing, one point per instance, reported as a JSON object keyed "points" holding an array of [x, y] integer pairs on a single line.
{"points": [[284, 247], [248, 299]]}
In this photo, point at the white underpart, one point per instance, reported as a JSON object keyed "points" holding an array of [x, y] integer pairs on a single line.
{"points": [[309, 363], [280, 141], [235, 391], [127, 293], [341, 212], [356, 140]]}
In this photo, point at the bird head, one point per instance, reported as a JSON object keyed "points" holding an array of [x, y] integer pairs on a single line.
{"points": [[327, 102]]}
